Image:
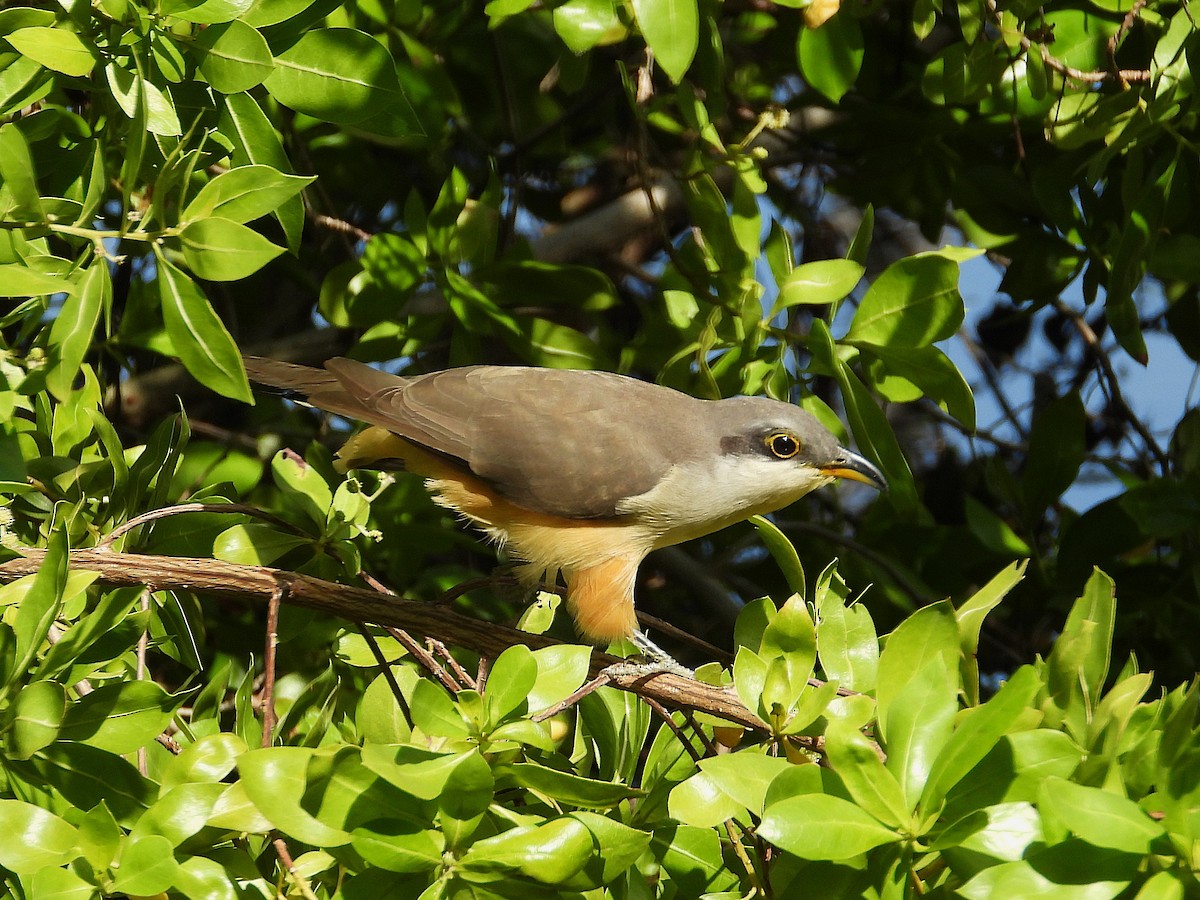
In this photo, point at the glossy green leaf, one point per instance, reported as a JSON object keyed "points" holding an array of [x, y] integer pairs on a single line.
{"points": [[934, 374], [550, 853], [819, 826], [847, 644], [23, 200], [856, 760], [71, 335], [510, 680], [255, 544], [343, 76], [1100, 817], [977, 732], [223, 250], [199, 336], [256, 143], [398, 846], [37, 838], [41, 603], [17, 280], [146, 866], [914, 302], [584, 24], [567, 788], [725, 788], [233, 57], [55, 48], [36, 717], [206, 12], [931, 631], [672, 31], [1078, 664], [783, 552], [120, 717], [824, 281], [831, 56], [275, 780], [245, 193], [920, 721], [561, 670]]}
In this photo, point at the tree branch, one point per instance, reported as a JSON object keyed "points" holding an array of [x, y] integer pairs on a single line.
{"points": [[259, 584]]}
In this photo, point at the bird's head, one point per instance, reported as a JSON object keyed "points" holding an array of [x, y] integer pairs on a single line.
{"points": [[788, 447]]}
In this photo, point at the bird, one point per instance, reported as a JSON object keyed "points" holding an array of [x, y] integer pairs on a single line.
{"points": [[577, 472]]}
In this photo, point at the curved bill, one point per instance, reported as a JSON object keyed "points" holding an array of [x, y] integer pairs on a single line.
{"points": [[848, 464]]}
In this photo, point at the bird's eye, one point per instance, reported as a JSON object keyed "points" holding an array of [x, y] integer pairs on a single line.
{"points": [[783, 445]]}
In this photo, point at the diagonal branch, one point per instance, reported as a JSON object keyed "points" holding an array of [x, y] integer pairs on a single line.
{"points": [[259, 584]]}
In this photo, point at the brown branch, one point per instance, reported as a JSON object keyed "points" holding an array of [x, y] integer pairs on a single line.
{"points": [[259, 583], [269, 719]]}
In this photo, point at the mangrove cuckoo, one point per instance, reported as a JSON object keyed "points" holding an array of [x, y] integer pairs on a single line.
{"points": [[582, 473]]}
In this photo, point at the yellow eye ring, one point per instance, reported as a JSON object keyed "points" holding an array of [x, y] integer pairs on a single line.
{"points": [[783, 445]]}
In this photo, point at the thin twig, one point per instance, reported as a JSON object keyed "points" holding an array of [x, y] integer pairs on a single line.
{"points": [[425, 658], [385, 666], [268, 690], [662, 713], [571, 699], [441, 650], [240, 509], [289, 866], [1113, 386], [143, 645]]}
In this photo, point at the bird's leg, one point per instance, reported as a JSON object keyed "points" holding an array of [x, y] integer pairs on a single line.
{"points": [[659, 660]]}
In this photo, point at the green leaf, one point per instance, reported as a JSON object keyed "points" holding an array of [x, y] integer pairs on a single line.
{"points": [[914, 302], [147, 866], [209, 759], [584, 24], [199, 337], [934, 374], [398, 846], [275, 779], [930, 631], [784, 553], [19, 178], [55, 48], [561, 670], [255, 544], [41, 603], [36, 838], [256, 143], [1078, 664], [36, 717], [550, 853], [513, 675], [233, 57], [856, 761], [920, 720], [120, 717], [725, 788], [223, 250], [74, 327], [207, 12], [434, 712], [977, 732], [831, 56], [672, 31], [819, 826], [1100, 817], [244, 194], [847, 644], [818, 282], [571, 789], [346, 77], [17, 280]]}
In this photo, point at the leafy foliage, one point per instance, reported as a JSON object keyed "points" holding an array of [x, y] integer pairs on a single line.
{"points": [[727, 198]]}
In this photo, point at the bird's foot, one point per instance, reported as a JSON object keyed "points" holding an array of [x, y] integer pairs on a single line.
{"points": [[658, 661]]}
